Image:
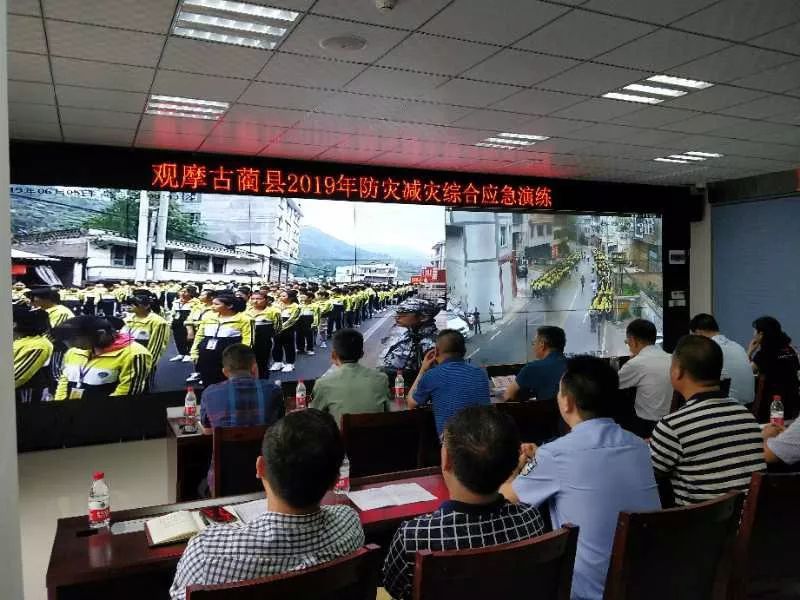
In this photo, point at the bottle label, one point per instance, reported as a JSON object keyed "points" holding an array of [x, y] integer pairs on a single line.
{"points": [[777, 419], [400, 392], [300, 402], [343, 485], [189, 410], [99, 511]]}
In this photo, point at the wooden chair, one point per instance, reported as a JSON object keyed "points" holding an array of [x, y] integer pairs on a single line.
{"points": [[680, 553], [382, 442], [351, 577], [767, 553], [542, 566], [235, 450], [537, 420]]}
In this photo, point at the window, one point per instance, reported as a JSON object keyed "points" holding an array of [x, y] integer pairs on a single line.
{"points": [[123, 256], [503, 235], [195, 262], [218, 264], [549, 229], [540, 230], [167, 261]]}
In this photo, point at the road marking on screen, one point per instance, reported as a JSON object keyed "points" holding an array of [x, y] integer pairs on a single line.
{"points": [[499, 331], [474, 352], [375, 327]]}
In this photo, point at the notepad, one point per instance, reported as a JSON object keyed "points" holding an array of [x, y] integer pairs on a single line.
{"points": [[396, 494], [174, 527], [248, 511]]}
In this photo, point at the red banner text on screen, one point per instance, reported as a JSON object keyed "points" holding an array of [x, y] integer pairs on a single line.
{"points": [[194, 177]]}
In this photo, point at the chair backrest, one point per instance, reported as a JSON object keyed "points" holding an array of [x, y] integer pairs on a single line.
{"points": [[537, 420], [234, 458], [679, 553], [542, 565], [382, 442], [351, 577], [766, 549]]}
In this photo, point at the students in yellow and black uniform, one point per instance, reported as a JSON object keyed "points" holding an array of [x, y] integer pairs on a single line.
{"points": [[182, 307], [267, 321], [147, 327], [32, 350], [325, 307], [224, 325], [101, 362], [49, 300], [307, 324], [285, 352]]}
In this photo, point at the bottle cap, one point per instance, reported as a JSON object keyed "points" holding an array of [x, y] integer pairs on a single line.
{"points": [[98, 475], [776, 397]]}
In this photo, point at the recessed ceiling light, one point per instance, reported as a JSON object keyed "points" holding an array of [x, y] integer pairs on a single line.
{"points": [[681, 82], [672, 160], [170, 113], [180, 107], [706, 154], [222, 23], [197, 101], [632, 98], [658, 91], [525, 136], [685, 157], [192, 108], [498, 140], [244, 8], [235, 40]]}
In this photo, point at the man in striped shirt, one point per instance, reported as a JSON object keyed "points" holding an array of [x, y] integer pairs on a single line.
{"points": [[713, 444]]}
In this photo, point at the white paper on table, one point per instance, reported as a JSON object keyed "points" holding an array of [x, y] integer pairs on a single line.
{"points": [[396, 494], [248, 511], [131, 526]]}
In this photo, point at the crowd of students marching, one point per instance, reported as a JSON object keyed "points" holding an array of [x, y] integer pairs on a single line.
{"points": [[104, 340]]}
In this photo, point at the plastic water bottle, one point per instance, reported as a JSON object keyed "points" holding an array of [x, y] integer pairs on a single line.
{"points": [[399, 388], [99, 502], [300, 396], [190, 403], [776, 411], [343, 484]]}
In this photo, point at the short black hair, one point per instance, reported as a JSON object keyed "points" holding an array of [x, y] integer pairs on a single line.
{"points": [[29, 322], [483, 444], [100, 331], [593, 383], [553, 337], [703, 322], [700, 357], [191, 290], [348, 345], [236, 304], [452, 342], [302, 453], [48, 294], [238, 357], [642, 330]]}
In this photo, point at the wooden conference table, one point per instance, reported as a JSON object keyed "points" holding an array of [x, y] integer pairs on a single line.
{"points": [[89, 565]]}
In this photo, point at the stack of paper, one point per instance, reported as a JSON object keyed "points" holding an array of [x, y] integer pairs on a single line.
{"points": [[396, 494], [248, 511]]}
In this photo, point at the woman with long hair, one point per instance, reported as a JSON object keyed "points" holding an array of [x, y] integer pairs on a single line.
{"points": [[285, 352], [772, 355], [226, 324]]}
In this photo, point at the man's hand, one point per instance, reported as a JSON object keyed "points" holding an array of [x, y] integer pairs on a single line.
{"points": [[770, 431], [427, 362]]}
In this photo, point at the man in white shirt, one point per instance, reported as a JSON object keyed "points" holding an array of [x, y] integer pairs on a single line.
{"points": [[648, 372], [735, 362]]}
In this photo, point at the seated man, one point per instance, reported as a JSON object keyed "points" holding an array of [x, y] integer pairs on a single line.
{"points": [[648, 372], [299, 462], [453, 384], [351, 387], [480, 450], [539, 378], [782, 445], [713, 444], [735, 362], [590, 475], [241, 401]]}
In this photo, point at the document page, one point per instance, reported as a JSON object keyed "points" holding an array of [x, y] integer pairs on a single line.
{"points": [[396, 494], [248, 511]]}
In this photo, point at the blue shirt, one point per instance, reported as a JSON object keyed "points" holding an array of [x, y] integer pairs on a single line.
{"points": [[451, 386], [540, 379], [587, 478]]}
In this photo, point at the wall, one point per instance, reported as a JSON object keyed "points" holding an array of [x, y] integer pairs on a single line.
{"points": [[700, 275], [10, 562]]}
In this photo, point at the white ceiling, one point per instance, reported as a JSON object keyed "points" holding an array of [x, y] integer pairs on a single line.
{"points": [[435, 77]]}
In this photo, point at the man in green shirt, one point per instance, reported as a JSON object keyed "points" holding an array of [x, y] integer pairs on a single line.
{"points": [[350, 387]]}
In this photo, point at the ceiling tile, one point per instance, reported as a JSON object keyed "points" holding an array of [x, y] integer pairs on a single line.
{"points": [[554, 126], [731, 63], [765, 108], [651, 137], [662, 50], [176, 125], [226, 145], [786, 39], [24, 7], [98, 118], [538, 102], [300, 70], [790, 135], [354, 125], [432, 54], [425, 112], [28, 67], [25, 34], [392, 82], [557, 145], [749, 130], [74, 40], [519, 67], [371, 143], [469, 93], [50, 132], [311, 136], [82, 97], [705, 122], [172, 141], [347, 155], [305, 38], [489, 21], [277, 95], [38, 93], [111, 136], [208, 58], [493, 120], [244, 113], [592, 79], [409, 14], [359, 105], [778, 79], [715, 98], [391, 159], [597, 109], [29, 112], [142, 15], [248, 131], [299, 151], [601, 132], [207, 87], [101, 75], [654, 116], [741, 19], [582, 34], [653, 12]]}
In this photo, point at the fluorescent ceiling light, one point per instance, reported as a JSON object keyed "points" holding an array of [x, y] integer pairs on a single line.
{"points": [[243, 8], [488, 145], [525, 136], [222, 23], [170, 113], [197, 101], [684, 157], [235, 40], [632, 98], [184, 107], [498, 140], [681, 82], [672, 160], [706, 154], [658, 91]]}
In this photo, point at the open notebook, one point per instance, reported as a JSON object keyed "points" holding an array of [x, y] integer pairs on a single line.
{"points": [[174, 527]]}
